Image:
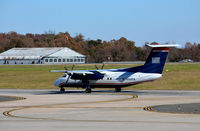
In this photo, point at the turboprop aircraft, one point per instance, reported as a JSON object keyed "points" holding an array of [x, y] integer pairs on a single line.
{"points": [[117, 78]]}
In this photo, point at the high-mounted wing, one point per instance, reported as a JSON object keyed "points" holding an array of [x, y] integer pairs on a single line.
{"points": [[83, 74], [63, 71]]}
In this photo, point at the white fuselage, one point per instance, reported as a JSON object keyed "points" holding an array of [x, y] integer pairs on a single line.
{"points": [[111, 79]]}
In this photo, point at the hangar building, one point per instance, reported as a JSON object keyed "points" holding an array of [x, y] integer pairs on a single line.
{"points": [[58, 55]]}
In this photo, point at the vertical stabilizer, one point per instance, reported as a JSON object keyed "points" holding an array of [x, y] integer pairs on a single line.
{"points": [[155, 61], [157, 58]]}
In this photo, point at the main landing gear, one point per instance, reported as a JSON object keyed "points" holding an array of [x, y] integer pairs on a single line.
{"points": [[62, 90], [88, 90], [117, 89], [87, 87]]}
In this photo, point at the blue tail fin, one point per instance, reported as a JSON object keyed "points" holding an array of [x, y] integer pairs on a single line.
{"points": [[156, 60]]}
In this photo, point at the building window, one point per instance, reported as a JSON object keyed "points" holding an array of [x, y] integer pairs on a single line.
{"points": [[71, 60], [46, 60], [79, 60], [51, 60], [59, 60], [63, 60], [75, 60], [55, 60]]}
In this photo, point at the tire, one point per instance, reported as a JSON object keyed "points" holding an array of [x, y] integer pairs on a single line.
{"points": [[88, 91], [117, 89], [62, 90]]}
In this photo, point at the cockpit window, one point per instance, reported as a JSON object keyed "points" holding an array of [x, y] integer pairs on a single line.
{"points": [[64, 75]]}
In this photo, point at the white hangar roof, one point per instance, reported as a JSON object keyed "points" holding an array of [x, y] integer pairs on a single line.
{"points": [[37, 53]]}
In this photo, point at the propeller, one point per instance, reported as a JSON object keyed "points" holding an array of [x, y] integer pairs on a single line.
{"points": [[65, 67], [96, 67], [69, 74], [101, 66], [67, 79], [73, 67]]}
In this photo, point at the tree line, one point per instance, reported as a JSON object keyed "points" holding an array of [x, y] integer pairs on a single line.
{"points": [[95, 50]]}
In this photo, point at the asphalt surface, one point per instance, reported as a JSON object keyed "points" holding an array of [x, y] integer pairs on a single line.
{"points": [[82, 92], [101, 110], [192, 108], [8, 98]]}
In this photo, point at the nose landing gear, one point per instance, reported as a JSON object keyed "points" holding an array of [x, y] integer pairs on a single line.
{"points": [[62, 90], [117, 89]]}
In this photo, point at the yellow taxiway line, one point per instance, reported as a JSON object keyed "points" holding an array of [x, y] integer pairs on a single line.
{"points": [[8, 113]]}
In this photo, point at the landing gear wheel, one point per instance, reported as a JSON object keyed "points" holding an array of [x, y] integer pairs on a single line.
{"points": [[88, 90], [117, 89], [62, 90], [87, 86]]}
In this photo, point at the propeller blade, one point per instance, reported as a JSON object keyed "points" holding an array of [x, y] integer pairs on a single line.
{"points": [[96, 67], [102, 66], [65, 67], [68, 78], [73, 67]]}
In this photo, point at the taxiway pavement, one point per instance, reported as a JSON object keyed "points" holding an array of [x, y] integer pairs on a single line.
{"points": [[100, 110]]}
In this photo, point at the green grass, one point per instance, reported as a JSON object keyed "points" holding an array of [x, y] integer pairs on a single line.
{"points": [[180, 76]]}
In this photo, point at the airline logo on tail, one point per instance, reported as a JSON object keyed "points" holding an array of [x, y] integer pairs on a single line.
{"points": [[155, 60]]}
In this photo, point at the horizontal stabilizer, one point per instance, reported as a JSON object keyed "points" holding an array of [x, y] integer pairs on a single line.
{"points": [[165, 45]]}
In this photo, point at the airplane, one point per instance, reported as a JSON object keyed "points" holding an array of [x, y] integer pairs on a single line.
{"points": [[117, 78]]}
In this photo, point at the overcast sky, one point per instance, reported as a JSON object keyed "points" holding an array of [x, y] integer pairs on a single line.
{"points": [[137, 20]]}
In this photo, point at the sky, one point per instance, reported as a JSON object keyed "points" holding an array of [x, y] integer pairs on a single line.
{"points": [[176, 21]]}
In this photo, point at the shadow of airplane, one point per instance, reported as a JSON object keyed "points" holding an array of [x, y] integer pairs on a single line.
{"points": [[95, 92]]}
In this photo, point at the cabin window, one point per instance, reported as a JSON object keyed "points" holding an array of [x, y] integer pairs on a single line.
{"points": [[63, 60], [50, 60], [67, 60], [109, 78], [55, 60], [75, 60], [64, 75], [59, 60], [81, 60], [71, 60]]}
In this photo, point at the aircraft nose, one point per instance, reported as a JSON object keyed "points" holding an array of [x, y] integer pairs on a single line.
{"points": [[57, 82]]}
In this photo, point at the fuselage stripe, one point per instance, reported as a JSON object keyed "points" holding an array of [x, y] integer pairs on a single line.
{"points": [[127, 83]]}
